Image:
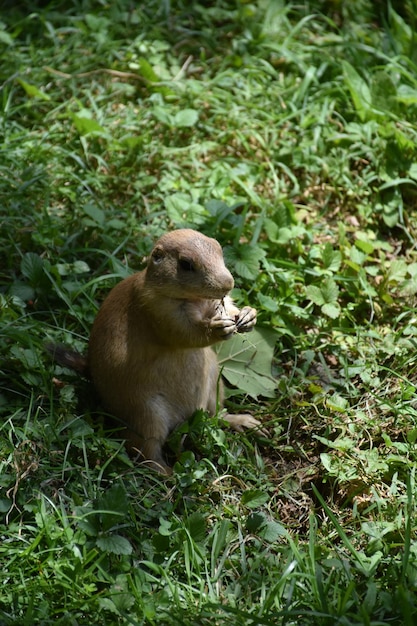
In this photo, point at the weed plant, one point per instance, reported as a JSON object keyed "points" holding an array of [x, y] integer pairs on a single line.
{"points": [[289, 132]]}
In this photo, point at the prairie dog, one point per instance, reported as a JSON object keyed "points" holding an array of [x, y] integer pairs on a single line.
{"points": [[149, 355]]}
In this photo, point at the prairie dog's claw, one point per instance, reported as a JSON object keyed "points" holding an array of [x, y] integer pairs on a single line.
{"points": [[246, 319]]}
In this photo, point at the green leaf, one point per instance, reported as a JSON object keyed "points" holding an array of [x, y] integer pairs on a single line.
{"points": [[219, 209], [114, 544], [406, 95], [163, 115], [27, 357], [147, 71], [33, 91], [409, 287], [79, 428], [329, 290], [116, 224], [246, 260], [284, 215], [5, 505], [331, 258], [120, 593], [254, 498], [383, 92], [337, 403], [246, 362], [196, 526], [397, 270], [5, 38], [255, 521], [78, 267], [32, 267], [272, 531], [357, 257], [165, 527], [183, 211], [325, 296], [314, 294], [22, 290], [365, 246], [185, 118], [149, 74], [96, 214], [378, 529], [88, 521], [412, 172], [359, 91], [332, 310], [85, 124], [268, 303], [326, 460], [392, 205], [412, 436], [97, 23], [112, 506], [258, 523], [401, 31]]}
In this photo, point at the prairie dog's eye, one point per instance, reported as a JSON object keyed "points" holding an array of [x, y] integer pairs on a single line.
{"points": [[187, 265]]}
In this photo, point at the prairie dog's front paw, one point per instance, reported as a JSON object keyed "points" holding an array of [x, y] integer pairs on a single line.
{"points": [[223, 327], [246, 319]]}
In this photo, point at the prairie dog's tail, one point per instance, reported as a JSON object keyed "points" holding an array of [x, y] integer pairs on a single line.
{"points": [[67, 357]]}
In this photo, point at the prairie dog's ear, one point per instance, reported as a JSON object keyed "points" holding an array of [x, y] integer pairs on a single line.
{"points": [[157, 254]]}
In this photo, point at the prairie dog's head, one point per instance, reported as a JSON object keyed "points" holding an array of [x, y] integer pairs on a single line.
{"points": [[185, 264]]}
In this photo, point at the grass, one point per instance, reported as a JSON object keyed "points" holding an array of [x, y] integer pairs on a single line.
{"points": [[288, 132]]}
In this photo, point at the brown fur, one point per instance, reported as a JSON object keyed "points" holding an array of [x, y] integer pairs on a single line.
{"points": [[149, 354], [68, 358]]}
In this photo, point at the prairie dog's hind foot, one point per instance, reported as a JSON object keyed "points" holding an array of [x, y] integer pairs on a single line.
{"points": [[148, 452], [244, 421]]}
